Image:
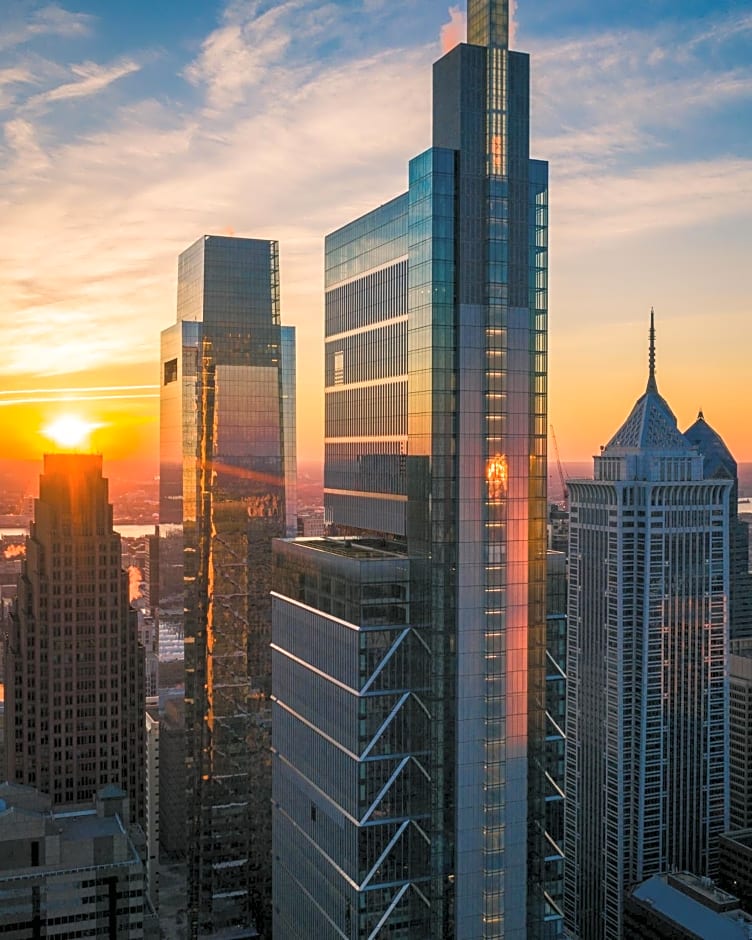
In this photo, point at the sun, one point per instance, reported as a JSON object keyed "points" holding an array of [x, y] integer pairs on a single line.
{"points": [[69, 431]]}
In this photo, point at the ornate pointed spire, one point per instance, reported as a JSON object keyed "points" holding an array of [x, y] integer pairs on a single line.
{"points": [[488, 23], [652, 386]]}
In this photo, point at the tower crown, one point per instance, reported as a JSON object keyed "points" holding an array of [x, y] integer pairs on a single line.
{"points": [[651, 425], [488, 23]]}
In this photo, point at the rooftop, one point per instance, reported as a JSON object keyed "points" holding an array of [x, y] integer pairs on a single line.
{"points": [[695, 904], [357, 548]]}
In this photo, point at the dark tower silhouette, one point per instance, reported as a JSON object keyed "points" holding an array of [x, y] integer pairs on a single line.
{"points": [[75, 669]]}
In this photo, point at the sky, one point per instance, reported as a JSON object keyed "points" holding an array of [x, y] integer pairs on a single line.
{"points": [[129, 130]]}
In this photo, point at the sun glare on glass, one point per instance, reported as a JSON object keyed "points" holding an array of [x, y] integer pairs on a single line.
{"points": [[69, 431]]}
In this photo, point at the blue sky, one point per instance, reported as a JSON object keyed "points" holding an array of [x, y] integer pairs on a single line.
{"points": [[128, 130]]}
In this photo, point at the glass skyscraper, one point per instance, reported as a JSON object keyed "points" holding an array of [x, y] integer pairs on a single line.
{"points": [[647, 646], [227, 477], [408, 651]]}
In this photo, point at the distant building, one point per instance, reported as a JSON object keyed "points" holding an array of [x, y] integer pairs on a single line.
{"points": [[735, 865], [647, 644], [148, 637], [311, 523], [172, 821], [151, 792], [70, 872], [682, 906], [558, 528], [227, 477], [75, 669]]}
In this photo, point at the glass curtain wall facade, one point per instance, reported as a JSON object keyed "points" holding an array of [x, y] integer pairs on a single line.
{"points": [[556, 705], [436, 310], [647, 690], [228, 474]]}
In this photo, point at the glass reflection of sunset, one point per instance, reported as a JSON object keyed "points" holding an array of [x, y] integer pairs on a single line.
{"points": [[70, 431]]}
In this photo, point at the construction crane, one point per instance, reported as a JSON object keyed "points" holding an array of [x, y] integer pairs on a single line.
{"points": [[562, 477]]}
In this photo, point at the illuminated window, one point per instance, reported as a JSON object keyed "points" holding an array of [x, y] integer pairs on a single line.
{"points": [[496, 476]]}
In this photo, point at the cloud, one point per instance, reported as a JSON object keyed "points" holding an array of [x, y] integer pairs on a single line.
{"points": [[21, 137], [512, 23], [120, 202], [611, 98], [15, 75], [51, 20], [250, 48], [672, 196], [453, 32], [91, 79]]}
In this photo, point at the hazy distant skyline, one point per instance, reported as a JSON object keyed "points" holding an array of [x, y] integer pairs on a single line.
{"points": [[130, 130]]}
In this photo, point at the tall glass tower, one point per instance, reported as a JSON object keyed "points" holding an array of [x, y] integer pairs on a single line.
{"points": [[408, 693], [227, 477]]}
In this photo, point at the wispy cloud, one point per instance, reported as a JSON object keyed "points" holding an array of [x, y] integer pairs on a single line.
{"points": [[68, 397], [618, 97], [21, 138], [250, 48], [51, 20], [72, 389], [15, 76], [671, 196], [91, 78]]}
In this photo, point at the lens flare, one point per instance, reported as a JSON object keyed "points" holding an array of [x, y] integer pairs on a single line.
{"points": [[69, 431]]}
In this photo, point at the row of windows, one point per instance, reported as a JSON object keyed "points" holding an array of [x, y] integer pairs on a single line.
{"points": [[381, 295], [376, 354], [378, 410]]}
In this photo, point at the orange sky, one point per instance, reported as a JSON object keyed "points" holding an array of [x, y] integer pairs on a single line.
{"points": [[106, 177], [123, 403]]}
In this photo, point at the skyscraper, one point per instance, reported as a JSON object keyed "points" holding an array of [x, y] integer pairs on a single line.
{"points": [[408, 654], [227, 475], [647, 695], [75, 670]]}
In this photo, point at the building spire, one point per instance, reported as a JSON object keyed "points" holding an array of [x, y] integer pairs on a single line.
{"points": [[488, 23], [652, 386]]}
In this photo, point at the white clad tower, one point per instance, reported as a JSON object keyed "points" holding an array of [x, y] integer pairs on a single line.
{"points": [[647, 697]]}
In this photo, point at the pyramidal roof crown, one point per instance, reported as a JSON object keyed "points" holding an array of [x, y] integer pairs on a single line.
{"points": [[719, 461], [651, 424]]}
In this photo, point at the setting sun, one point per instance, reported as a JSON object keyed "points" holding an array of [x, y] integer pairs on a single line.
{"points": [[69, 431]]}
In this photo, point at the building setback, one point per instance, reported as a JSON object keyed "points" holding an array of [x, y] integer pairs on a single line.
{"points": [[647, 641], [227, 477], [75, 669], [408, 693]]}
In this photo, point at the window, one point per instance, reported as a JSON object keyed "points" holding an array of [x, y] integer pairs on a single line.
{"points": [[170, 371]]}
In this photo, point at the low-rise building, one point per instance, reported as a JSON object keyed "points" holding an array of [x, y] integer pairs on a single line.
{"points": [[70, 872], [735, 866], [682, 906]]}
